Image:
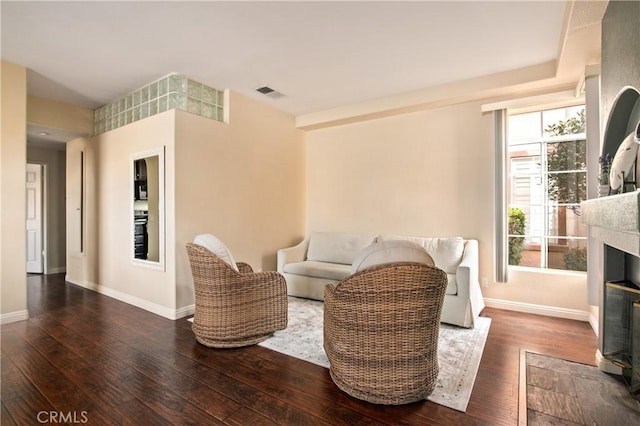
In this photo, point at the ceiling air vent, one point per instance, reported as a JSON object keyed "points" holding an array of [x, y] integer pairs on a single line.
{"points": [[268, 91]]}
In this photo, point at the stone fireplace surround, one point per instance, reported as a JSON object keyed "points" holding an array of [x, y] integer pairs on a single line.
{"points": [[614, 224], [615, 221]]}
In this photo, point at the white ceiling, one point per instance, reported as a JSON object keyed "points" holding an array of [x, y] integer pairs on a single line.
{"points": [[320, 55]]}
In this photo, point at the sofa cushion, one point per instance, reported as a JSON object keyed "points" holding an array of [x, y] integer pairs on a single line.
{"points": [[452, 284], [336, 247], [385, 252], [216, 247], [312, 268], [446, 252]]}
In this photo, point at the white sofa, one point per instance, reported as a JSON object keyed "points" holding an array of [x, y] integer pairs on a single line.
{"points": [[327, 257]]}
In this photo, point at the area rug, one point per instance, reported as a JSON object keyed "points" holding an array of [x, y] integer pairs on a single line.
{"points": [[459, 350], [554, 391]]}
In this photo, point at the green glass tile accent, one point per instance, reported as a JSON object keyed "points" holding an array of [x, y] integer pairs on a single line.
{"points": [[163, 104], [175, 91], [208, 111], [194, 105], [136, 98], [144, 94], [177, 101], [153, 107], [178, 83], [163, 87], [153, 90], [209, 94], [194, 89]]}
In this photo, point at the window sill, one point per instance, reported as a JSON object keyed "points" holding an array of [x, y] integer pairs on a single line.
{"points": [[556, 272]]}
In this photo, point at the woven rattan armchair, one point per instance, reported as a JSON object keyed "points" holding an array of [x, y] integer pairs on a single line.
{"points": [[234, 308], [381, 328]]}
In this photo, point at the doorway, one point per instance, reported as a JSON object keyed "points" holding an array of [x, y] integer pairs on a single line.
{"points": [[35, 229]]}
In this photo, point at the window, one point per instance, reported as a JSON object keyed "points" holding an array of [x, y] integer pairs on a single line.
{"points": [[547, 180]]}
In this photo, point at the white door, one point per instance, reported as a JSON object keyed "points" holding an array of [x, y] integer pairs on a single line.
{"points": [[34, 218]]}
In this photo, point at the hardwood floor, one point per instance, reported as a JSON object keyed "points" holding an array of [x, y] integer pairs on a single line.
{"points": [[86, 358]]}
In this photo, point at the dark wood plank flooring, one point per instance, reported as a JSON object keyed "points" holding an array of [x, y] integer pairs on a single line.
{"points": [[84, 356]]}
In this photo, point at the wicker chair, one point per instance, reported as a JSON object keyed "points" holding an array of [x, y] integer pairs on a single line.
{"points": [[381, 328], [234, 308]]}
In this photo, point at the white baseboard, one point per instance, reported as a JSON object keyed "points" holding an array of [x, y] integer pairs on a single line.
{"points": [[14, 317], [58, 270], [163, 311], [68, 279], [186, 311], [594, 321], [529, 308]]}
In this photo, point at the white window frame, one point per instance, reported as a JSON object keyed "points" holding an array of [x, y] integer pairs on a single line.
{"points": [[547, 205]]}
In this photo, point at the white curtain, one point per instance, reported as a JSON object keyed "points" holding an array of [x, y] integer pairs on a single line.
{"points": [[500, 208], [594, 148]]}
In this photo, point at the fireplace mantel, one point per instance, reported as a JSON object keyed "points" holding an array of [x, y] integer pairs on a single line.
{"points": [[615, 220]]}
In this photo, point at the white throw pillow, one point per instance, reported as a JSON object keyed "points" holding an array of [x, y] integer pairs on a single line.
{"points": [[446, 252], [624, 159], [216, 247], [385, 252]]}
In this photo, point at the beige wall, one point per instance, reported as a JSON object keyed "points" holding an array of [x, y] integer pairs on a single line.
{"points": [[59, 115], [81, 212], [55, 162], [105, 261], [426, 173], [13, 159], [243, 182], [113, 266]]}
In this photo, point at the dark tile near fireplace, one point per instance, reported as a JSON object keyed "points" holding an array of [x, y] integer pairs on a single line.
{"points": [[555, 404], [550, 380], [561, 392]]}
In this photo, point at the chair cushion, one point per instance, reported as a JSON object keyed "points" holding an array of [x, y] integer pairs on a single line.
{"points": [[312, 268], [336, 247], [216, 247], [446, 252], [385, 252]]}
